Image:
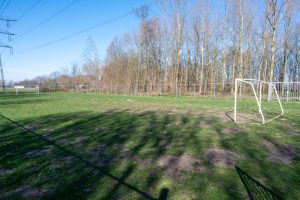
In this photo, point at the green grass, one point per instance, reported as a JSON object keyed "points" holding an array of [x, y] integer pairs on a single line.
{"points": [[92, 146]]}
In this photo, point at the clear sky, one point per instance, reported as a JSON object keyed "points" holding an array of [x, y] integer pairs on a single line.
{"points": [[80, 15]]}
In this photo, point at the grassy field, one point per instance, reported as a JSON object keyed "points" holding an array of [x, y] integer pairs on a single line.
{"points": [[92, 146]]}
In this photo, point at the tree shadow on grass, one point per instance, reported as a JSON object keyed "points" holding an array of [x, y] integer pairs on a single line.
{"points": [[8, 100], [255, 157], [108, 155], [73, 174], [254, 188]]}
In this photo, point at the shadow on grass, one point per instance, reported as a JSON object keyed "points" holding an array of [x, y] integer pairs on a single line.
{"points": [[33, 143], [23, 99], [111, 155], [254, 188]]}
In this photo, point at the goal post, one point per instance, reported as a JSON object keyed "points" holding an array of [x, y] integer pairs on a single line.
{"points": [[256, 89]]}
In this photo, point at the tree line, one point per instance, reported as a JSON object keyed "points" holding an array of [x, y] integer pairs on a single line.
{"points": [[203, 44]]}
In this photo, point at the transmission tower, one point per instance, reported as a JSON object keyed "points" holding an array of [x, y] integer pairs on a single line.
{"points": [[9, 34]]}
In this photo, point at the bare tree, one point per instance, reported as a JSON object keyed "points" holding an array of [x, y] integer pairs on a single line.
{"points": [[92, 63]]}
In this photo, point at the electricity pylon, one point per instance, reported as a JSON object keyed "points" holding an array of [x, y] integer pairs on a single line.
{"points": [[5, 46]]}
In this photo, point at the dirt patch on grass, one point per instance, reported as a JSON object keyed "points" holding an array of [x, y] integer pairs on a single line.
{"points": [[4, 171], [39, 152], [281, 152], [175, 165], [242, 116], [293, 133], [225, 117], [221, 158], [230, 132], [27, 192], [291, 130], [206, 123]]}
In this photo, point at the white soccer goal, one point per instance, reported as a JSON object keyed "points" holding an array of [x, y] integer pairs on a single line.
{"points": [[252, 101], [27, 89]]}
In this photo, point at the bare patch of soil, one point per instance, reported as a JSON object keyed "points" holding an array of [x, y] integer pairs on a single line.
{"points": [[241, 117], [27, 192], [281, 152], [224, 117], [293, 133], [248, 117], [221, 158], [174, 165], [39, 152], [4, 171], [230, 132], [206, 123], [291, 130]]}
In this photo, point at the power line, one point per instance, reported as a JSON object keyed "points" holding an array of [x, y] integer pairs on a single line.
{"points": [[85, 30], [2, 4], [49, 18], [35, 3], [78, 33], [8, 2]]}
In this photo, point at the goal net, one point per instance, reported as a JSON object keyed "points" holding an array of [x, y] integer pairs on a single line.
{"points": [[27, 89], [256, 101]]}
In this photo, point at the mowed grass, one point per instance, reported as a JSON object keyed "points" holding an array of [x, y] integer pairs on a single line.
{"points": [[93, 146]]}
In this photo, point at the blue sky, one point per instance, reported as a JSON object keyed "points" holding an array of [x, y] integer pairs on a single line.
{"points": [[81, 15]]}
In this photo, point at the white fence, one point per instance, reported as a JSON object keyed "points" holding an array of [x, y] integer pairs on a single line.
{"points": [[20, 89], [288, 92]]}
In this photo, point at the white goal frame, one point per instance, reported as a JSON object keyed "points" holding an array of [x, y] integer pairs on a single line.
{"points": [[34, 88], [257, 97]]}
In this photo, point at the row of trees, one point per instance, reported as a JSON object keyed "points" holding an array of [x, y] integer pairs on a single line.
{"points": [[203, 43]]}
